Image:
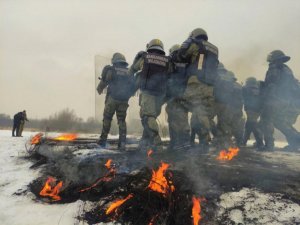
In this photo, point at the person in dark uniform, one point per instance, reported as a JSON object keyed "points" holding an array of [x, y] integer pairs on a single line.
{"points": [[155, 68], [120, 87], [202, 61], [281, 101], [252, 107], [22, 123], [179, 132], [229, 107], [16, 123]]}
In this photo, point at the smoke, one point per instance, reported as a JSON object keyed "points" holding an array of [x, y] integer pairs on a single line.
{"points": [[50, 46]]}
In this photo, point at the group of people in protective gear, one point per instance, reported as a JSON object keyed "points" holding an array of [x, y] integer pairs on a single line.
{"points": [[192, 80], [18, 123]]}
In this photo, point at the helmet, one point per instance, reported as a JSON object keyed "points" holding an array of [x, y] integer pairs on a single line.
{"points": [[277, 56], [251, 81], [155, 44], [118, 58], [174, 48], [199, 33]]}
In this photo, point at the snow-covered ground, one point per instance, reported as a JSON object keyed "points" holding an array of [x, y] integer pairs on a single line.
{"points": [[249, 206], [15, 176], [239, 207]]}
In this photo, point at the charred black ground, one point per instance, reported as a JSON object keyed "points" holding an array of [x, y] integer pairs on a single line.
{"points": [[79, 164]]}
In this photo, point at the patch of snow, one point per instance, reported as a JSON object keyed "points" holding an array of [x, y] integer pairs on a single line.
{"points": [[250, 206], [15, 176]]}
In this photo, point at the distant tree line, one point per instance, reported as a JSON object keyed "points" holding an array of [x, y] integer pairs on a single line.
{"points": [[66, 120]]}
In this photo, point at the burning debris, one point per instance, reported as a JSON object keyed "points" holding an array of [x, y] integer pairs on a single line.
{"points": [[148, 197], [159, 182], [228, 155], [115, 205], [134, 203], [196, 210], [107, 177], [66, 137], [51, 189], [127, 188], [36, 139]]}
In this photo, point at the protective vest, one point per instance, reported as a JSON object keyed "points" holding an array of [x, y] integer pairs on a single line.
{"points": [[121, 86], [229, 93], [252, 98], [154, 74], [177, 81], [206, 63]]}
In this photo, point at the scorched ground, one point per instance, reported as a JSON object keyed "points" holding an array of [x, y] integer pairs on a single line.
{"points": [[251, 188]]}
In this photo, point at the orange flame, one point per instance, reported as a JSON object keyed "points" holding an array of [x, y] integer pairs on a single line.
{"points": [[108, 164], [36, 139], [115, 205], [159, 182], [52, 192], [152, 220], [106, 178], [228, 155], [196, 210], [66, 137], [149, 153]]}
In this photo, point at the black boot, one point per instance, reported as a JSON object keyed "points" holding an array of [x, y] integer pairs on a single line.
{"points": [[122, 146], [122, 142], [102, 142]]}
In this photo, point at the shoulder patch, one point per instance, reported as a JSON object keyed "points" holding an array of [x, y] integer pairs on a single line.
{"points": [[121, 71]]}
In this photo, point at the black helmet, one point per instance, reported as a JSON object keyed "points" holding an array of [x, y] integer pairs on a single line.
{"points": [[277, 56], [251, 82], [118, 58], [155, 44], [199, 33]]}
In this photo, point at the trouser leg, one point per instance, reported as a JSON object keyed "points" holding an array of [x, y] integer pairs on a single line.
{"points": [[201, 104], [291, 134], [150, 108], [253, 126], [178, 123], [15, 126], [248, 130], [267, 127], [21, 127], [121, 113], [237, 124], [224, 136], [109, 110]]}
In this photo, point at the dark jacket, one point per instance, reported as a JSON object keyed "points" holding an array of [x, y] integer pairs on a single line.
{"points": [[252, 98], [177, 81], [154, 72], [119, 83]]}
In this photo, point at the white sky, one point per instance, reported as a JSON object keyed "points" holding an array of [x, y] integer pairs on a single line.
{"points": [[47, 48]]}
